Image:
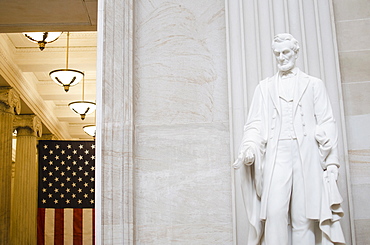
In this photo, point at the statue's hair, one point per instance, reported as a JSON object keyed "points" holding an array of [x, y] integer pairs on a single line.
{"points": [[286, 37]]}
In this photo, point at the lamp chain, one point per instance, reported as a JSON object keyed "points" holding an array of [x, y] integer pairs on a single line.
{"points": [[67, 50], [83, 87]]}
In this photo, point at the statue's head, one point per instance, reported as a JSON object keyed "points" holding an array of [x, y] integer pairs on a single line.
{"points": [[285, 48]]}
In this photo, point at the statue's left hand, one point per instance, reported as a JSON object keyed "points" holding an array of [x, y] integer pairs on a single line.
{"points": [[332, 169]]}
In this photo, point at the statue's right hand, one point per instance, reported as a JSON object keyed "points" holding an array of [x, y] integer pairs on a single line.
{"points": [[246, 157]]}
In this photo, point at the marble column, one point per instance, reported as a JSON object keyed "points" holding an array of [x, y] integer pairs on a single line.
{"points": [[9, 105], [23, 224], [114, 140]]}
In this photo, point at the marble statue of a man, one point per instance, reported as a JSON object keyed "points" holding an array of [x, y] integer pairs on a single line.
{"points": [[290, 142]]}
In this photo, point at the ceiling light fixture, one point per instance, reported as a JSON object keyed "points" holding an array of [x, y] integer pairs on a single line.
{"points": [[66, 77], [90, 130], [42, 38], [82, 107]]}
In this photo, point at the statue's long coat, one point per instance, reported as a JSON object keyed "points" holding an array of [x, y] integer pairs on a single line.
{"points": [[312, 111]]}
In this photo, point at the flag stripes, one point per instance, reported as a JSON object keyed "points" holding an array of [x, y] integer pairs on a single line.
{"points": [[66, 226]]}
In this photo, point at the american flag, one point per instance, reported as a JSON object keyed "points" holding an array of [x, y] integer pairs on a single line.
{"points": [[66, 192]]}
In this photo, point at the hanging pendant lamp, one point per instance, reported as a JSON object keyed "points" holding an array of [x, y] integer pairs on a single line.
{"points": [[82, 107], [90, 130], [66, 77], [42, 38]]}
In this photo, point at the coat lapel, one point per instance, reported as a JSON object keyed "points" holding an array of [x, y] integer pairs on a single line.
{"points": [[274, 91], [300, 88]]}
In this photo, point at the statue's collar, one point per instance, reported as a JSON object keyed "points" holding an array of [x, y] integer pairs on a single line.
{"points": [[291, 73]]}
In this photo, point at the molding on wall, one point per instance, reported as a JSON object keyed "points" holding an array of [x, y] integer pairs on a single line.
{"points": [[115, 126]]}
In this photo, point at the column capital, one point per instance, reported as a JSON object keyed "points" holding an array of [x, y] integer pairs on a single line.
{"points": [[48, 137], [9, 100], [31, 122]]}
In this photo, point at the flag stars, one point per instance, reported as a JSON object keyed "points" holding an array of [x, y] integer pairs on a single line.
{"points": [[69, 179]]}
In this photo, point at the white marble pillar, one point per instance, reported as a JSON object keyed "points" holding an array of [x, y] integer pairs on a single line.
{"points": [[252, 24], [23, 219], [9, 104], [114, 140]]}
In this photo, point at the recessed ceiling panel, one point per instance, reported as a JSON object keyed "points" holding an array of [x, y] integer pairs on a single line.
{"points": [[35, 15]]}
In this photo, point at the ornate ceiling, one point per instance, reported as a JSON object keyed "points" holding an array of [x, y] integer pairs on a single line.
{"points": [[25, 68]]}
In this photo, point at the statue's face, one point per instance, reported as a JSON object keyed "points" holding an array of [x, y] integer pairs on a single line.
{"points": [[285, 56]]}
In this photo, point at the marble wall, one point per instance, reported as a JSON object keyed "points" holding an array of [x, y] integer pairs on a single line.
{"points": [[182, 186], [352, 24]]}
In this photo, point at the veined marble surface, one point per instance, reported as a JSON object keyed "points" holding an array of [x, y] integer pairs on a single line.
{"points": [[352, 20], [182, 157]]}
